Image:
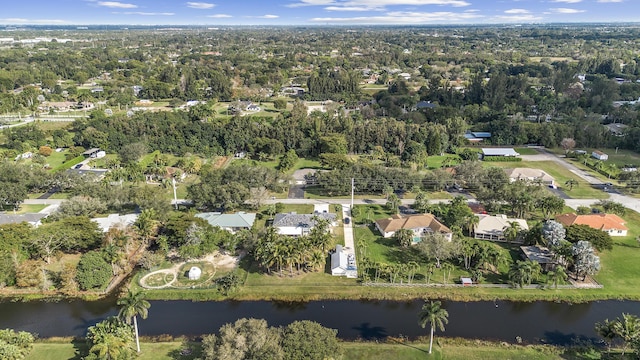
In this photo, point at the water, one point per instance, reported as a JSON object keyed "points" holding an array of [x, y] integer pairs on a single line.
{"points": [[535, 322]]}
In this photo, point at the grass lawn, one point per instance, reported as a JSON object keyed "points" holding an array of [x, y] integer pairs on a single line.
{"points": [[526, 151], [435, 162], [53, 125], [77, 350], [442, 349], [582, 191], [470, 351], [24, 208]]}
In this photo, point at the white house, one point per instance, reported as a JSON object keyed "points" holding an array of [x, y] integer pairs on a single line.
{"points": [[492, 227], [529, 174], [343, 264], [294, 224], [499, 152], [599, 155]]}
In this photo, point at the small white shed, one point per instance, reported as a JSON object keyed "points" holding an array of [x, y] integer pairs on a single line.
{"points": [[195, 273]]}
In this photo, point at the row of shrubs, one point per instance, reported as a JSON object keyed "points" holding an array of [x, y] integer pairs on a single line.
{"points": [[502, 158]]}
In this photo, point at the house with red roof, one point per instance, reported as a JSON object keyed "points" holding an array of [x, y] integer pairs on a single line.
{"points": [[610, 223]]}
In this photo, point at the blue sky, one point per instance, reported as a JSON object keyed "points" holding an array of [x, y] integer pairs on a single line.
{"points": [[316, 12]]}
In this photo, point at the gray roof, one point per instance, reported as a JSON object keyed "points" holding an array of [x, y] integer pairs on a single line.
{"points": [[300, 220], [237, 220], [17, 219], [539, 254]]}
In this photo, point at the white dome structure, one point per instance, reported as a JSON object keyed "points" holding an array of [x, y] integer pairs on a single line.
{"points": [[195, 273]]}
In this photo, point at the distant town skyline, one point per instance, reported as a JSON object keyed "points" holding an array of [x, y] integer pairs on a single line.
{"points": [[316, 12]]}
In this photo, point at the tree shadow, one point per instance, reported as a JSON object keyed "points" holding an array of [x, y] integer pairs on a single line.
{"points": [[407, 345], [561, 339], [367, 332], [81, 349], [190, 350]]}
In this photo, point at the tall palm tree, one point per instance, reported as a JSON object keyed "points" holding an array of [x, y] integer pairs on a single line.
{"points": [[511, 232], [472, 222], [433, 314], [628, 329], [132, 305]]}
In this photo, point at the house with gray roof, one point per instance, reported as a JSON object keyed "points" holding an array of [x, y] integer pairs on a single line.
{"points": [[32, 218], [115, 221], [229, 222], [294, 224]]}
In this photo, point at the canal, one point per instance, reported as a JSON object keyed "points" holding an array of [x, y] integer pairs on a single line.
{"points": [[534, 322]]}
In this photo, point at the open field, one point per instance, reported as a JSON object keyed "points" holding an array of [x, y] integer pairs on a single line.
{"points": [[582, 191]]}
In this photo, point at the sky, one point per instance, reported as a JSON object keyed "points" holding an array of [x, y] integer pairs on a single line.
{"points": [[315, 12]]}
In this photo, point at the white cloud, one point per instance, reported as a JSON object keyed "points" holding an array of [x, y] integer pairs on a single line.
{"points": [[267, 16], [116, 4], [142, 13], [31, 21], [400, 17], [517, 18], [352, 8], [349, 5], [566, 11], [200, 5], [610, 1], [219, 16], [517, 11], [567, 1]]}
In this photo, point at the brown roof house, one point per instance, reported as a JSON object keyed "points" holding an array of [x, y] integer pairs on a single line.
{"points": [[420, 224], [609, 223]]}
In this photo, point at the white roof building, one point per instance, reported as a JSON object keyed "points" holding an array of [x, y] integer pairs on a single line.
{"points": [[343, 264], [529, 174], [195, 273], [499, 152], [115, 220], [491, 227]]}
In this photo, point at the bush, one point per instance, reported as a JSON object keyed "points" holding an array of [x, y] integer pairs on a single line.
{"points": [[45, 151], [501, 159], [94, 272]]}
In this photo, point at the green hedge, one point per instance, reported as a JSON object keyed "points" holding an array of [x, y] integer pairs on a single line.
{"points": [[502, 158]]}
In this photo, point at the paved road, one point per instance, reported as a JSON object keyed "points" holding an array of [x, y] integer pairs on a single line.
{"points": [[24, 121], [349, 244]]}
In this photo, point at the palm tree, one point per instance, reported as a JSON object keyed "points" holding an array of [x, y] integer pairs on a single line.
{"points": [[628, 329], [571, 183], [393, 203], [133, 305], [556, 275], [472, 222], [511, 232], [524, 272], [433, 314], [109, 348], [607, 331]]}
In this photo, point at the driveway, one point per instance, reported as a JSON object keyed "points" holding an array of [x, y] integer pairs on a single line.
{"points": [[296, 191], [349, 244]]}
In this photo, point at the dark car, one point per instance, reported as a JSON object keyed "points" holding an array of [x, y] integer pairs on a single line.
{"points": [[347, 220], [78, 166]]}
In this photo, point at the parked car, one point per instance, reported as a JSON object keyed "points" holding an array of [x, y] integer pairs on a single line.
{"points": [[347, 220]]}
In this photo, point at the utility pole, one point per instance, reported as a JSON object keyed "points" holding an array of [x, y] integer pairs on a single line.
{"points": [[352, 189]]}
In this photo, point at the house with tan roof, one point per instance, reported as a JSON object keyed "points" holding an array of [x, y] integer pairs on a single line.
{"points": [[491, 227], [529, 174], [610, 223], [420, 224]]}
